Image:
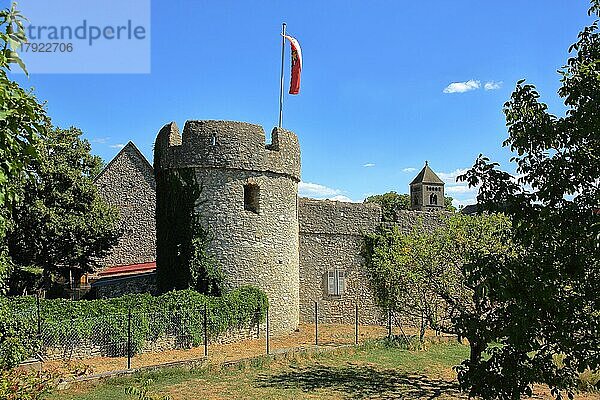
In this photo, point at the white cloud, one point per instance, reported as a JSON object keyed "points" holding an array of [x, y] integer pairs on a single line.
{"points": [[409, 169], [308, 189], [450, 177], [341, 198], [462, 87], [460, 189], [321, 192], [117, 146], [369, 165], [460, 192], [492, 85], [100, 140]]}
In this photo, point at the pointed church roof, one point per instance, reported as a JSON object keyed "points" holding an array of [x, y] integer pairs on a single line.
{"points": [[427, 176]]}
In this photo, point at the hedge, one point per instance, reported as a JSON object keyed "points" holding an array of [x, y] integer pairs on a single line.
{"points": [[89, 321]]}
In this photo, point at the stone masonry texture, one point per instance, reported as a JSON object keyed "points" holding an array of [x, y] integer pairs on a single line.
{"points": [[127, 183], [331, 238], [254, 248]]}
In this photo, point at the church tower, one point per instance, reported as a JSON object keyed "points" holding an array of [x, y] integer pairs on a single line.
{"points": [[427, 191]]}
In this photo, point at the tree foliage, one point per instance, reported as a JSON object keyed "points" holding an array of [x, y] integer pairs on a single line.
{"points": [[18, 384], [421, 274], [61, 208], [22, 120], [448, 203], [547, 298], [390, 203]]}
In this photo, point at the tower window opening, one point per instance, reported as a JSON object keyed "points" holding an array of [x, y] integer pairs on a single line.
{"points": [[251, 198], [433, 198], [214, 139]]}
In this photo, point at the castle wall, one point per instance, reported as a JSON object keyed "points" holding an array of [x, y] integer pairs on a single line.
{"points": [[331, 238], [128, 183], [407, 220], [254, 248]]}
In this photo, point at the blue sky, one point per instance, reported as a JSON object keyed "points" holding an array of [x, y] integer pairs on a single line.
{"points": [[386, 85]]}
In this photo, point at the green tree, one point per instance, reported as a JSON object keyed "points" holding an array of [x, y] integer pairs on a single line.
{"points": [[547, 298], [22, 120], [62, 224], [421, 274], [448, 203], [390, 203]]}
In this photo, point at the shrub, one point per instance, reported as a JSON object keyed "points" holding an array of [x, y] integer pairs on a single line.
{"points": [[19, 384], [95, 321]]}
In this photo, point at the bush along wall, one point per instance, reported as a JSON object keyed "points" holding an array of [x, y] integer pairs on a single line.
{"points": [[104, 323], [182, 257]]}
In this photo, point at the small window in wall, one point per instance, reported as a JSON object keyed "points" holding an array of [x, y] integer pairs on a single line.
{"points": [[433, 198], [251, 198], [336, 282]]}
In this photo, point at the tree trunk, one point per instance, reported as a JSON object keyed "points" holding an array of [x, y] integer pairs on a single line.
{"points": [[422, 330], [476, 351]]}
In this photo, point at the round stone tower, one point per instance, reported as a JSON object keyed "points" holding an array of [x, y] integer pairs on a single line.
{"points": [[248, 201]]}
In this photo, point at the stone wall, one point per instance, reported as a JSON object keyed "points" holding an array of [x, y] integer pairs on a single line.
{"points": [[425, 220], [227, 145], [127, 183], [331, 237], [254, 248]]}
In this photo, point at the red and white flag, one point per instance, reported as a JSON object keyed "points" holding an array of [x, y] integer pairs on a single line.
{"points": [[296, 65]]}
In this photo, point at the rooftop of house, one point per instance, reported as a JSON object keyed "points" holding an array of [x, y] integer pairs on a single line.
{"points": [[131, 269]]}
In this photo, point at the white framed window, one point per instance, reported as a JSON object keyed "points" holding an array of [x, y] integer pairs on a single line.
{"points": [[336, 282]]}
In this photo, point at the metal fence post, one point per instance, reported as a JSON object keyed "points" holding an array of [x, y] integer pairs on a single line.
{"points": [[267, 331], [389, 323], [356, 324], [129, 339], [316, 324], [258, 324], [39, 317], [205, 331]]}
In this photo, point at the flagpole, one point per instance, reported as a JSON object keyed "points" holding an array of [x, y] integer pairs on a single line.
{"points": [[281, 78]]}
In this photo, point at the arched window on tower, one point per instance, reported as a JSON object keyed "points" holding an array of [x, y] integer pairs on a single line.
{"points": [[433, 198]]}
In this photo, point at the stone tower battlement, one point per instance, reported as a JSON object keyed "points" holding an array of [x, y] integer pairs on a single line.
{"points": [[247, 199], [228, 145]]}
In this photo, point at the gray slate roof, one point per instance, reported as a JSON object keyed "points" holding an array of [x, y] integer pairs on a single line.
{"points": [[427, 176]]}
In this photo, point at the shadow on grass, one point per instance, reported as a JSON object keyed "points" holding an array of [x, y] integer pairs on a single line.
{"points": [[360, 382]]}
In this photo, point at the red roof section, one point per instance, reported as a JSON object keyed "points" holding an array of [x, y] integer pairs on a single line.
{"points": [[128, 269]]}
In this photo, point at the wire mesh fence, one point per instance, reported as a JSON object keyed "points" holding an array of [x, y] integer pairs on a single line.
{"points": [[104, 336], [115, 341], [126, 335]]}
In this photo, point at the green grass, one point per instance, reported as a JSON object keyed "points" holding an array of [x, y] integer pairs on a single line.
{"points": [[364, 372]]}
